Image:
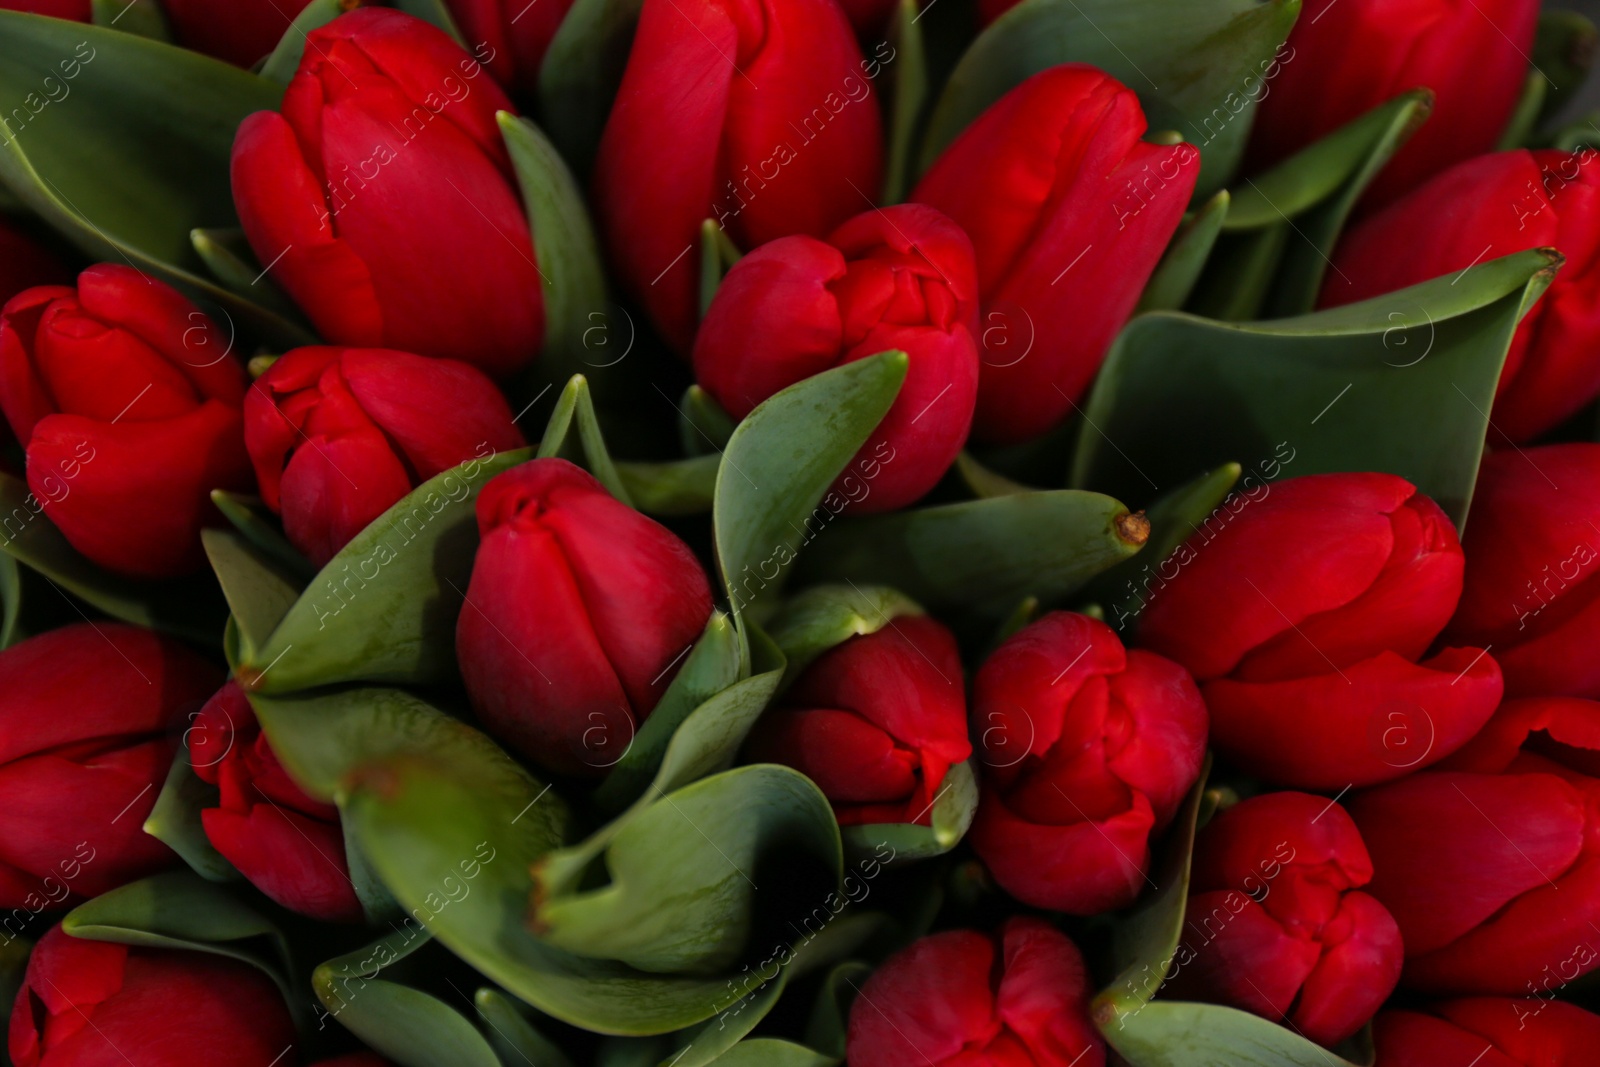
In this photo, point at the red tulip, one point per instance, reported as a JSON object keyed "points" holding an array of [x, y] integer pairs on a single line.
{"points": [[126, 398], [579, 612], [759, 115], [288, 845], [77, 10], [1304, 615], [242, 32], [1479, 210], [515, 35], [87, 717], [1491, 864], [1069, 212], [876, 722], [1488, 1032], [1534, 544], [1088, 751], [900, 277], [1345, 57], [1017, 998], [359, 144], [1283, 929], [337, 435], [24, 262], [93, 1003]]}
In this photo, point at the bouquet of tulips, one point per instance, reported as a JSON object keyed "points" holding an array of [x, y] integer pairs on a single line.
{"points": [[792, 533]]}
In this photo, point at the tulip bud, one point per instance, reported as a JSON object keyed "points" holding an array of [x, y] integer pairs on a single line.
{"points": [[579, 612], [1345, 57], [896, 278], [1488, 1032], [24, 262], [759, 115], [78, 786], [515, 35], [288, 845], [84, 1003], [1304, 613], [876, 722], [388, 117], [1480, 210], [1088, 750], [1276, 924], [1016, 998], [241, 32], [1534, 545], [337, 435], [126, 398], [1069, 212], [1489, 863]]}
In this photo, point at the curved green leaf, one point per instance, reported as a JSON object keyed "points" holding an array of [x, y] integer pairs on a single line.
{"points": [[816, 619], [908, 99], [1530, 105], [1239, 277], [718, 254], [139, 159], [1190, 63], [10, 602], [384, 608], [954, 807], [830, 1015], [1180, 1034], [1180, 268], [983, 482], [681, 487], [258, 591], [1401, 383], [188, 607], [140, 17], [580, 73], [773, 1052], [774, 481], [575, 409], [175, 819], [512, 1032], [407, 1025], [1563, 51], [982, 555], [245, 514], [703, 427]]}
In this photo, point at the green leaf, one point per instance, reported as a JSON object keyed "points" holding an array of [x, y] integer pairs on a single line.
{"points": [[281, 65], [954, 807], [1519, 129], [1179, 394], [718, 254], [1180, 268], [571, 278], [982, 555], [438, 13], [243, 511], [512, 1032], [10, 602], [175, 818], [684, 873], [181, 910], [187, 607], [1563, 52], [258, 591], [1239, 277], [703, 427], [575, 408], [139, 159], [780, 462], [229, 259], [830, 1015], [1180, 1034], [1173, 518], [384, 608], [407, 1025], [141, 17], [580, 73], [816, 619], [681, 487], [984, 482], [714, 663], [1184, 60], [908, 100], [773, 1052]]}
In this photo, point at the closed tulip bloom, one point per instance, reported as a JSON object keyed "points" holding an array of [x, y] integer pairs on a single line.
{"points": [[760, 115], [1305, 615], [1491, 864], [577, 616], [1069, 212], [515, 35], [876, 722], [1488, 1032], [899, 278], [242, 32], [87, 1003], [288, 845], [1278, 924], [1015, 998], [126, 398], [337, 435], [88, 726], [388, 118], [1345, 57], [1088, 750], [1479, 210], [1533, 547]]}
